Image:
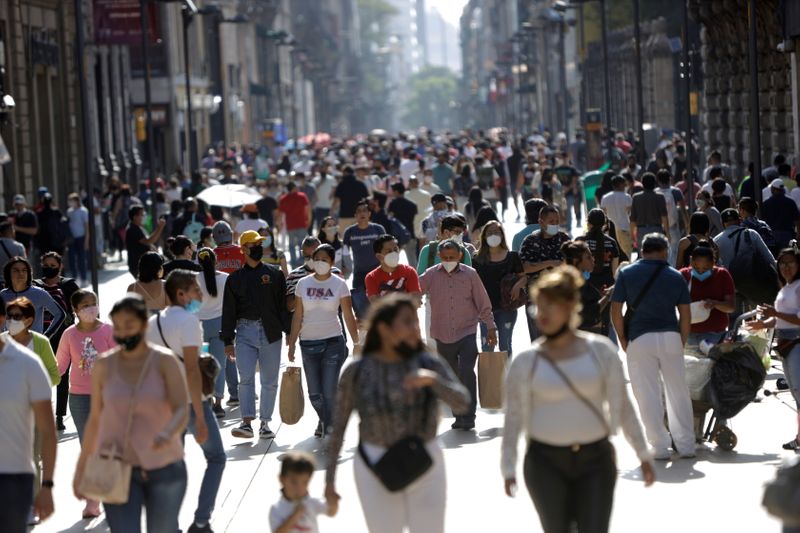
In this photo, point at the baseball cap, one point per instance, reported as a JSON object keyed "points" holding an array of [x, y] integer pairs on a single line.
{"points": [[19, 199], [730, 215], [249, 237], [777, 183], [42, 191], [221, 233], [250, 208]]}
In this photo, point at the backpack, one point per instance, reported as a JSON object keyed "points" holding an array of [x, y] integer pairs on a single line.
{"points": [[754, 277], [399, 231], [193, 229]]}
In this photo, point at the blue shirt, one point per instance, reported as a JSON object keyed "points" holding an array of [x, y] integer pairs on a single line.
{"points": [[656, 312], [360, 242], [42, 302], [442, 174], [78, 218], [516, 243]]}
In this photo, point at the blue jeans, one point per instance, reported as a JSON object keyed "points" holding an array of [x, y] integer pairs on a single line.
{"points": [[253, 347], [216, 347], [78, 257], [694, 340], [16, 493], [215, 464], [504, 319], [791, 364], [360, 300], [79, 405], [322, 361], [161, 493]]}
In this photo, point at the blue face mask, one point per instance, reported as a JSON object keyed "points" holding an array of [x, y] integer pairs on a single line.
{"points": [[193, 306], [701, 277], [266, 242], [586, 275]]}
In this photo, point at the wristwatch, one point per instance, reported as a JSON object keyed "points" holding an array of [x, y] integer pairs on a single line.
{"points": [[47, 484]]}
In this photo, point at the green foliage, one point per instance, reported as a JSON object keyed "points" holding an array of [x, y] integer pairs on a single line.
{"points": [[430, 94]]}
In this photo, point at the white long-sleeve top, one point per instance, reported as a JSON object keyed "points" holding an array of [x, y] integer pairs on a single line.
{"points": [[617, 405]]}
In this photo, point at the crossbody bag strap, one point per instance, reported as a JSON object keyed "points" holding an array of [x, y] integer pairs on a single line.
{"points": [[646, 287], [8, 254], [132, 403], [593, 408], [161, 331]]}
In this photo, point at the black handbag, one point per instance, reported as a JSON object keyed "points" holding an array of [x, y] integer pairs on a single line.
{"points": [[405, 461]]}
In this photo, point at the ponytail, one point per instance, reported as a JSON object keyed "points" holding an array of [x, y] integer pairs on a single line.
{"points": [[208, 262]]}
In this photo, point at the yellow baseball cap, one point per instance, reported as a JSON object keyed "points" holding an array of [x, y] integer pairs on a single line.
{"points": [[249, 237]]}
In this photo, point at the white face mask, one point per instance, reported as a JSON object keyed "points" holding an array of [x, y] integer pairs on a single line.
{"points": [[308, 263], [15, 327], [88, 314], [392, 259], [449, 265], [701, 204], [330, 232], [458, 238], [552, 229], [494, 240], [322, 267], [428, 179]]}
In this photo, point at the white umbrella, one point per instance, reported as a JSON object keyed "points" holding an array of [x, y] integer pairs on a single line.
{"points": [[232, 195]]}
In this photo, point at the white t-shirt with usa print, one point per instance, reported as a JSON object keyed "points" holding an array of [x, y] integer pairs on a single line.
{"points": [[321, 301]]}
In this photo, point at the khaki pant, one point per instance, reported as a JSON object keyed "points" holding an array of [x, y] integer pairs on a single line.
{"points": [[625, 242]]}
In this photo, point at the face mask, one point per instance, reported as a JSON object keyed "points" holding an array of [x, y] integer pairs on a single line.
{"points": [[308, 263], [701, 204], [88, 314], [449, 265], [322, 267], [428, 180], [256, 253], [552, 229], [15, 327], [194, 306], [459, 238], [701, 277], [494, 240], [266, 242], [129, 343], [50, 272], [586, 275], [392, 259], [330, 233]]}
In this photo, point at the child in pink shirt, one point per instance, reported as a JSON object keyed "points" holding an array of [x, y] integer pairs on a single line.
{"points": [[80, 346]]}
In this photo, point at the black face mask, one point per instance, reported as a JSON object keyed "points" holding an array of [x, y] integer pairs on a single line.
{"points": [[256, 253], [557, 334], [407, 351], [129, 343], [50, 272]]}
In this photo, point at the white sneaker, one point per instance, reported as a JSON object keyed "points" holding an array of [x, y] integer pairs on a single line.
{"points": [[662, 454]]}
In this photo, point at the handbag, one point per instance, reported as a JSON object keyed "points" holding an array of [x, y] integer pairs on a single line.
{"points": [[785, 346], [106, 475], [782, 495], [513, 299], [406, 460], [629, 313], [209, 366], [292, 399]]}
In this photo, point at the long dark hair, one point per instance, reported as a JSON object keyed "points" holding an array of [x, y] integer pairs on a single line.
{"points": [[597, 219], [7, 271], [208, 262], [384, 311]]}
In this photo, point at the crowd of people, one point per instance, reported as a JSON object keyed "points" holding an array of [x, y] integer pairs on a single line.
{"points": [[346, 244]]}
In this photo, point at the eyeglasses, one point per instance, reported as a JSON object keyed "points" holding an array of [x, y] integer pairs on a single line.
{"points": [[15, 316]]}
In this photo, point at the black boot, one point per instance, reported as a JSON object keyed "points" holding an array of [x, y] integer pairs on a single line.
{"points": [[60, 423]]}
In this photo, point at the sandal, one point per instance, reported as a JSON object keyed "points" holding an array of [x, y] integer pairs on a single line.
{"points": [[793, 445]]}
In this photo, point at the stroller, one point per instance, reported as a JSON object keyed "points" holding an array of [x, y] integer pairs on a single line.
{"points": [[726, 381]]}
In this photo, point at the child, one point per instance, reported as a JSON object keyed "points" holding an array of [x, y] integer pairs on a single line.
{"points": [[296, 510]]}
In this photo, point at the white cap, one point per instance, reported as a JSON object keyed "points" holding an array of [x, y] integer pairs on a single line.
{"points": [[777, 183]]}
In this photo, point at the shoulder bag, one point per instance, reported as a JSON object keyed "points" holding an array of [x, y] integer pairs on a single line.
{"points": [[631, 311], [106, 475], [406, 460], [209, 366]]}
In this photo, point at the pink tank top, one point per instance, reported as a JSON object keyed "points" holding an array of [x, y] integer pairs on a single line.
{"points": [[152, 412]]}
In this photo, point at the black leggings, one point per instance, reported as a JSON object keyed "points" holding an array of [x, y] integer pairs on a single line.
{"points": [[572, 487]]}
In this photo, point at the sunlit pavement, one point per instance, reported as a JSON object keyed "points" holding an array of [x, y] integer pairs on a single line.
{"points": [[718, 491]]}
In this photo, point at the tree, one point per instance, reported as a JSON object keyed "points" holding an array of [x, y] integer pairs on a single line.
{"points": [[432, 93], [375, 111]]}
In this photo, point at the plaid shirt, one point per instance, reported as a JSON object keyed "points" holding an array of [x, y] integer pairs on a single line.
{"points": [[458, 300]]}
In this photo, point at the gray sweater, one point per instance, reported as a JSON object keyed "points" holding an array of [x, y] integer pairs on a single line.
{"points": [[42, 302]]}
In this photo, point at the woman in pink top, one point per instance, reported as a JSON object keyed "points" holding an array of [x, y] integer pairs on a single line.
{"points": [[160, 412], [81, 344]]}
